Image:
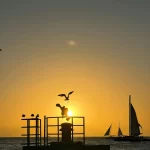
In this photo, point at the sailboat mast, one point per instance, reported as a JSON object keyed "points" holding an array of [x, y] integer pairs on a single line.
{"points": [[129, 115]]}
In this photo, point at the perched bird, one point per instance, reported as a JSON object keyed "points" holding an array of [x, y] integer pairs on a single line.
{"points": [[66, 97], [32, 115], [23, 115]]}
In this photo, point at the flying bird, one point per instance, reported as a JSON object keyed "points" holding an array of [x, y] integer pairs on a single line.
{"points": [[64, 95], [64, 110], [0, 49]]}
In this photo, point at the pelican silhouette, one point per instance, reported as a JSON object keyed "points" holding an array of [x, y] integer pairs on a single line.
{"points": [[66, 97]]}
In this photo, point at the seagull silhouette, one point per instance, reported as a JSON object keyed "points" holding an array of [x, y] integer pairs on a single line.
{"points": [[64, 111], [64, 95]]}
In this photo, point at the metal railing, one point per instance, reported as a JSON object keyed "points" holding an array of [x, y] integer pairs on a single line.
{"points": [[29, 135], [47, 125]]}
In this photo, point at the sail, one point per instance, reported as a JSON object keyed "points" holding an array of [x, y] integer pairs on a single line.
{"points": [[134, 125], [108, 131], [119, 132]]}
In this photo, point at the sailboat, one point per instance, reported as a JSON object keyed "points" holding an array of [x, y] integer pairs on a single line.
{"points": [[120, 134], [134, 127], [108, 133]]}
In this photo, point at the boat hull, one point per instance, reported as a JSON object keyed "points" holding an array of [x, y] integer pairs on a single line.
{"points": [[131, 138], [109, 138]]}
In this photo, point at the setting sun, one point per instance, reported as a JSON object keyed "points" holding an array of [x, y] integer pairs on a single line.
{"points": [[69, 113]]}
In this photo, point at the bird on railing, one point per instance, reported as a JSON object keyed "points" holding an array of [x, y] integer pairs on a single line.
{"points": [[32, 115], [37, 115], [66, 97], [23, 115]]}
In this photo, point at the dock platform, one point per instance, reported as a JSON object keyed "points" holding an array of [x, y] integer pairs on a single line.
{"points": [[68, 147], [64, 136]]}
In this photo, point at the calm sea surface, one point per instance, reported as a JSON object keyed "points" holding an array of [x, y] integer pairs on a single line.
{"points": [[15, 144]]}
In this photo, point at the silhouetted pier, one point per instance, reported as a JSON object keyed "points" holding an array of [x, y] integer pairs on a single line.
{"points": [[65, 135]]}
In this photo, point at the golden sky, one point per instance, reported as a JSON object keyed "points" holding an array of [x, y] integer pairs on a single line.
{"points": [[95, 49]]}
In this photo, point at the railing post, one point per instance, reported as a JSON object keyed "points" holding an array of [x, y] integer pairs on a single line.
{"points": [[72, 129], [37, 133], [44, 128], [47, 129], [28, 132], [84, 130], [58, 127], [40, 131]]}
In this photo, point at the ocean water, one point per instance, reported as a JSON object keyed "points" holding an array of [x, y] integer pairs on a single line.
{"points": [[15, 143]]}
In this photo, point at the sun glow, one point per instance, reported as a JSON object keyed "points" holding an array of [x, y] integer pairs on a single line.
{"points": [[71, 42], [69, 113]]}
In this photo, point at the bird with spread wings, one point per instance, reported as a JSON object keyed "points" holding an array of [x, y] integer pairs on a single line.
{"points": [[64, 111], [66, 97]]}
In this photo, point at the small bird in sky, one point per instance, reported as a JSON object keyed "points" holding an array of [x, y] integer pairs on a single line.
{"points": [[0, 49], [66, 97]]}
